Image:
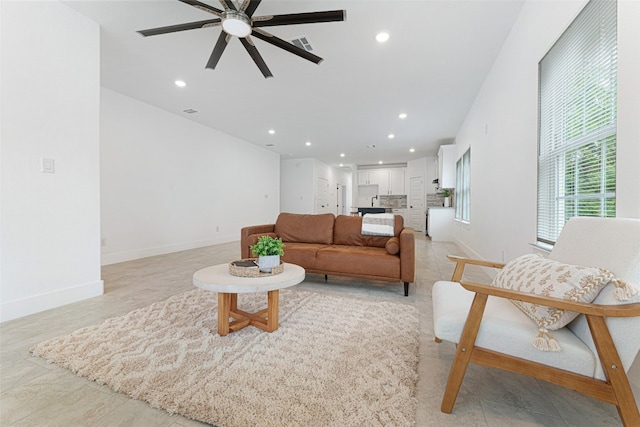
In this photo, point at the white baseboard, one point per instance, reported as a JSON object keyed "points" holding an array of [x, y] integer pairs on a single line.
{"points": [[37, 303], [130, 255]]}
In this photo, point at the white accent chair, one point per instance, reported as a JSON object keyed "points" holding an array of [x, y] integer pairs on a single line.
{"points": [[598, 347]]}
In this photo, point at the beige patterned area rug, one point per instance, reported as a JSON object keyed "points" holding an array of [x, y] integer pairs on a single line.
{"points": [[334, 361]]}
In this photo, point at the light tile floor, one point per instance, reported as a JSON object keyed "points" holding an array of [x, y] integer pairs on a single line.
{"points": [[34, 393]]}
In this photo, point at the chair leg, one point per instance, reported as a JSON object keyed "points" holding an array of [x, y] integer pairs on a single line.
{"points": [[325, 278], [463, 353], [614, 371], [406, 289]]}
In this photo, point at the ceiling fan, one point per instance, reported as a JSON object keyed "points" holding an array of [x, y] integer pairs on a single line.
{"points": [[239, 21]]}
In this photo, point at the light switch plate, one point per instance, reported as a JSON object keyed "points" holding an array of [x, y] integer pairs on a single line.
{"points": [[48, 165]]}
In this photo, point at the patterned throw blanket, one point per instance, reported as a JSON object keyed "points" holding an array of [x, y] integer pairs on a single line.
{"points": [[378, 224]]}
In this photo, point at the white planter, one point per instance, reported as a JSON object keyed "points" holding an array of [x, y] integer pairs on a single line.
{"points": [[266, 263], [447, 202]]}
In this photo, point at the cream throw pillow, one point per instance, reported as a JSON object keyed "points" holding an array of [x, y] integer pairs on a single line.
{"points": [[540, 276]]}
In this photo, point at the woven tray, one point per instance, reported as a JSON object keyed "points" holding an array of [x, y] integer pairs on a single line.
{"points": [[235, 270]]}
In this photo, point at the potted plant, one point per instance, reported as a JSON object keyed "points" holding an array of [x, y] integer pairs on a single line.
{"points": [[446, 193], [268, 250]]}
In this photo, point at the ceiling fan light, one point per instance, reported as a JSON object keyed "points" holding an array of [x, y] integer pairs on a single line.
{"points": [[236, 24]]}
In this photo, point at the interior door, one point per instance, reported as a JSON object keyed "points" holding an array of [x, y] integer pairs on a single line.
{"points": [[341, 197], [322, 197], [417, 210]]}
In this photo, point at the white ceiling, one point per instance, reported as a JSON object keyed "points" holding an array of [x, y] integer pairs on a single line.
{"points": [[431, 68]]}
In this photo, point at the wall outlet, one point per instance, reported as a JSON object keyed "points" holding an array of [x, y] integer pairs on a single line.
{"points": [[103, 242], [48, 165], [217, 228]]}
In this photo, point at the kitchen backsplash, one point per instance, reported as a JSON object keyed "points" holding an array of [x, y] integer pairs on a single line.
{"points": [[393, 201], [435, 200]]}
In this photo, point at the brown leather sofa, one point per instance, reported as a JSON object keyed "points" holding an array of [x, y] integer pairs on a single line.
{"points": [[330, 245]]}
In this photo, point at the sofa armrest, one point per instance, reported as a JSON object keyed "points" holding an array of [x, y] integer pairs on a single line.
{"points": [[407, 255], [461, 262], [621, 310], [245, 251]]}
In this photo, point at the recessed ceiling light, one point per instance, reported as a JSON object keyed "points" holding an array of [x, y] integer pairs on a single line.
{"points": [[341, 154], [271, 131], [412, 150], [308, 143], [391, 136], [180, 83], [341, 165], [382, 37], [380, 162], [402, 115]]}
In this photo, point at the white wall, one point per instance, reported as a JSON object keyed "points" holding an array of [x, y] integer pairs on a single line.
{"points": [[171, 184], [628, 172], [501, 128], [298, 179], [297, 186], [50, 222]]}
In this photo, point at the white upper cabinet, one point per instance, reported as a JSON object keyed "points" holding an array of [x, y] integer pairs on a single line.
{"points": [[380, 177], [396, 181], [447, 166], [389, 181]]}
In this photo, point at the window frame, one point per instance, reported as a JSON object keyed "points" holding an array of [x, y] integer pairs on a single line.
{"points": [[463, 187], [577, 122]]}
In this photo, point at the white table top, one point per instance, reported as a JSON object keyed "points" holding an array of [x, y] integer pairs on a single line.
{"points": [[218, 279]]}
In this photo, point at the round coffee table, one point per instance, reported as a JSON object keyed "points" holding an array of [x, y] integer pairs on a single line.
{"points": [[218, 279]]}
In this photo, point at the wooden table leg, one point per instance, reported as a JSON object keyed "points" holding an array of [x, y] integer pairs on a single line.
{"points": [[272, 310], [228, 307], [224, 307]]}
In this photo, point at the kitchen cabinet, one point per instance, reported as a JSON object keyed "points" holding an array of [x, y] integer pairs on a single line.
{"points": [[380, 177], [389, 181], [396, 182], [440, 224], [363, 177], [403, 213], [447, 166]]}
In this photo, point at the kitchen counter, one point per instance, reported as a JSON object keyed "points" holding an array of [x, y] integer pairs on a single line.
{"points": [[367, 210]]}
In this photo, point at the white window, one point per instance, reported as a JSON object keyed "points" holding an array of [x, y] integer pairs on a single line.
{"points": [[463, 186], [577, 122]]}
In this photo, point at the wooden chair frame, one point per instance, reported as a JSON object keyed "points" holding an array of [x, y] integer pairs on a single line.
{"points": [[615, 390]]}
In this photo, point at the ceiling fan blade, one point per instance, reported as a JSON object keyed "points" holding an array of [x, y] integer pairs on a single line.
{"points": [[180, 27], [202, 6], [255, 55], [221, 44], [270, 38], [228, 5], [249, 7], [299, 18]]}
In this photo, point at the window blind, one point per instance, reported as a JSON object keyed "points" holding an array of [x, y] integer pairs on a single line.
{"points": [[577, 122]]}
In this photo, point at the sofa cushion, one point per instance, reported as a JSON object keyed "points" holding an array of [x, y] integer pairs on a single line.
{"points": [[359, 260], [302, 254], [347, 231], [303, 228], [540, 276], [393, 246]]}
